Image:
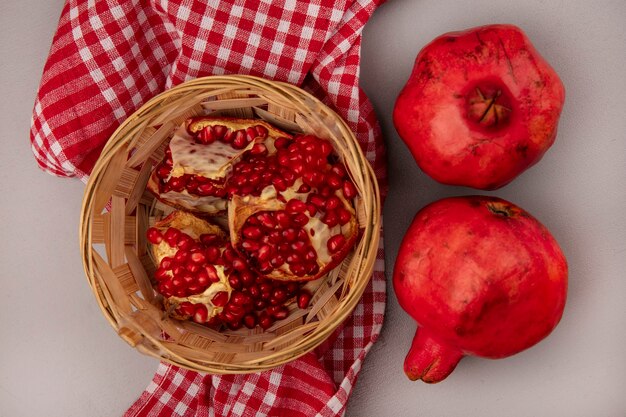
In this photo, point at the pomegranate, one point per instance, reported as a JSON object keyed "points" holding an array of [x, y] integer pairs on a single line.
{"points": [[480, 107], [199, 158], [290, 209], [481, 277], [203, 278]]}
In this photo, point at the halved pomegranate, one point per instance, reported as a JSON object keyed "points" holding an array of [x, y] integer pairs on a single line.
{"points": [[290, 209], [200, 156], [203, 278]]}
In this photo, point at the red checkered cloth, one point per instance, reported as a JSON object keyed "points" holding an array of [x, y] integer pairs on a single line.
{"points": [[108, 58]]}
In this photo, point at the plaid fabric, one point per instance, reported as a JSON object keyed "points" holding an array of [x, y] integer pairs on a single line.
{"points": [[107, 58]]}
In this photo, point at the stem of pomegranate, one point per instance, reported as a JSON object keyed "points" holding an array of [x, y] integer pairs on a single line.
{"points": [[430, 360]]}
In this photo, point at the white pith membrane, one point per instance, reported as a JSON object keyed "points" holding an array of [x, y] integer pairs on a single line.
{"points": [[194, 227], [241, 208]]}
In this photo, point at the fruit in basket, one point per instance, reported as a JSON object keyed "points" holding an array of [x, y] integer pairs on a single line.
{"points": [[290, 199], [291, 210], [199, 158], [481, 277], [202, 277], [480, 107]]}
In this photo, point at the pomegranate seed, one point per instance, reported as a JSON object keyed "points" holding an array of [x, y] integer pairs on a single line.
{"points": [[332, 203], [205, 189], [266, 220], [303, 299], [300, 219], [311, 255], [249, 320], [312, 269], [314, 178], [178, 271], [247, 278], [299, 246], [260, 304], [235, 325], [335, 243], [295, 206], [239, 264], [317, 200], [280, 294], [258, 149], [220, 299], [193, 267], [265, 267], [201, 314], [192, 187], [212, 273], [297, 167], [277, 261], [279, 312], [293, 258], [171, 236], [290, 234], [304, 188], [236, 310], [252, 232], [177, 184], [279, 184], [283, 219], [326, 148], [339, 170], [264, 253], [281, 143], [330, 218], [181, 256], [185, 242], [237, 298], [206, 135], [250, 134], [194, 289], [344, 216], [326, 192], [234, 281], [239, 141], [212, 253], [254, 291], [198, 257], [265, 321], [349, 191], [274, 237], [298, 269], [163, 171], [161, 274], [250, 245], [334, 181], [187, 308], [154, 235], [208, 239], [228, 137], [167, 263], [202, 278]]}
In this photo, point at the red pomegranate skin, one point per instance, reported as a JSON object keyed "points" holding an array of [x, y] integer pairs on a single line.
{"points": [[481, 277], [480, 107]]}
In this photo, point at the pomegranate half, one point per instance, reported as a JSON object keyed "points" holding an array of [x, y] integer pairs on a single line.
{"points": [[481, 277]]}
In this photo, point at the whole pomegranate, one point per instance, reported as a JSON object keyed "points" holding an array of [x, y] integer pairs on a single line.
{"points": [[481, 277], [480, 107]]}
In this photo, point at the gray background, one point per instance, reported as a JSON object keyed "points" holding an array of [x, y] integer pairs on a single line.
{"points": [[59, 357]]}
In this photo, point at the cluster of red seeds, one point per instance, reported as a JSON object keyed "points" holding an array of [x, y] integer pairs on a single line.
{"points": [[273, 238], [255, 300]]}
